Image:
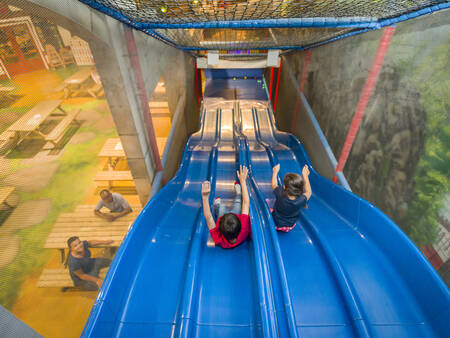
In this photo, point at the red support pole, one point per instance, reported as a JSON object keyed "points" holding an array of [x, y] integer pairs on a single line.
{"points": [[142, 94], [305, 71], [196, 84], [200, 83], [301, 87], [276, 90], [365, 96], [270, 84]]}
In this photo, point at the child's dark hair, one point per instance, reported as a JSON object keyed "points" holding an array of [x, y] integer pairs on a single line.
{"points": [[69, 242], [294, 185], [230, 226]]}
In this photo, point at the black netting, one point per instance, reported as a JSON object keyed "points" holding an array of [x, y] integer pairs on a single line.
{"points": [[233, 39], [194, 11], [258, 24]]}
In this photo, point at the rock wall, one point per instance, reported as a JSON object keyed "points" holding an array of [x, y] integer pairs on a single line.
{"points": [[392, 137]]}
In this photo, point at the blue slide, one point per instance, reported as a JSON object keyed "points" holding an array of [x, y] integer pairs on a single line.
{"points": [[345, 270]]}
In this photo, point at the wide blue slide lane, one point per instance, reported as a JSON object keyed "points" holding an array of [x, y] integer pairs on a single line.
{"points": [[345, 270]]}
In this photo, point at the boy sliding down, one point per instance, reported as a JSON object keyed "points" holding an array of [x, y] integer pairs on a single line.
{"points": [[232, 228], [290, 199]]}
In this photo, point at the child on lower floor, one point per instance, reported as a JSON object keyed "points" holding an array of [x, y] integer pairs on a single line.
{"points": [[289, 199], [233, 227]]}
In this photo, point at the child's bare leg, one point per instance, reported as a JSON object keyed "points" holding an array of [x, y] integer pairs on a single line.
{"points": [[237, 200], [219, 209]]}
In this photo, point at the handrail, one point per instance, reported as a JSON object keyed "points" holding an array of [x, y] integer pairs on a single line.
{"points": [[173, 127], [182, 328], [341, 178], [157, 180]]}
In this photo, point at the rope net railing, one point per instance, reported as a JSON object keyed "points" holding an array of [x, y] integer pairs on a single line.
{"points": [[238, 39], [259, 24]]}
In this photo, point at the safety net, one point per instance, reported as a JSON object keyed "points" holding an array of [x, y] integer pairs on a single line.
{"points": [[260, 24]]}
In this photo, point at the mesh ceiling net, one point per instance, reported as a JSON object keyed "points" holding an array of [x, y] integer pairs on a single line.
{"points": [[257, 24]]}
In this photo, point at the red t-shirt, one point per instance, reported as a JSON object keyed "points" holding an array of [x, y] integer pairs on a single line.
{"points": [[222, 241]]}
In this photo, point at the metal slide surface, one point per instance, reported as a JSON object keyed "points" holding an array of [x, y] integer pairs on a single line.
{"points": [[345, 270]]}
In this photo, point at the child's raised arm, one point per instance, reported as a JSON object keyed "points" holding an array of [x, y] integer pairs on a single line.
{"points": [[275, 171], [206, 189], [305, 174], [242, 175]]}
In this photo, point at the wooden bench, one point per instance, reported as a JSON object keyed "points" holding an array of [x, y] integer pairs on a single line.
{"points": [[86, 225], [113, 175], [58, 132], [6, 139], [6, 135], [60, 278], [5, 192], [96, 90], [90, 207]]}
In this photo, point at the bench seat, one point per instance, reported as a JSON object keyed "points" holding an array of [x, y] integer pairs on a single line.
{"points": [[6, 135], [113, 175], [57, 133], [59, 278]]}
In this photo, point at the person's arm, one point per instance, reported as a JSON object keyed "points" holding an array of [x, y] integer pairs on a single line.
{"points": [[97, 212], [122, 213], [206, 189], [305, 173], [242, 175], [99, 242], [275, 171], [84, 276]]}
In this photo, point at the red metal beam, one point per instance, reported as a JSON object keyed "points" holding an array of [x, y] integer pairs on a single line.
{"points": [[196, 85], [270, 84], [200, 84], [142, 94], [301, 87], [365, 96], [276, 90]]}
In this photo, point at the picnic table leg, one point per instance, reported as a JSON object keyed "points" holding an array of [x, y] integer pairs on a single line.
{"points": [[63, 255], [8, 205], [62, 110]]}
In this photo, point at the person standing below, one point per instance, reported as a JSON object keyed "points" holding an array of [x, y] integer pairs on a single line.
{"points": [[83, 269], [115, 203]]}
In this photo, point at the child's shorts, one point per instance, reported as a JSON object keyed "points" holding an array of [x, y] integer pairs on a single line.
{"points": [[286, 229]]}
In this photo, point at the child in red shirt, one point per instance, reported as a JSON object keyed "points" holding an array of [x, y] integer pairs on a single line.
{"points": [[232, 228]]}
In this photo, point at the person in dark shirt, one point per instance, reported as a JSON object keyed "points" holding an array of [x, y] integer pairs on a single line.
{"points": [[83, 268], [289, 199]]}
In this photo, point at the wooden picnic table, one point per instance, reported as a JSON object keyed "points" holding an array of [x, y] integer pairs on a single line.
{"points": [[79, 83], [88, 226], [79, 77], [31, 121], [5, 192], [113, 151]]}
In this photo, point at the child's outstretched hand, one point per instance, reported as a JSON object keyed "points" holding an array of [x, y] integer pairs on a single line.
{"points": [[276, 169], [305, 171], [206, 188], [242, 174]]}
